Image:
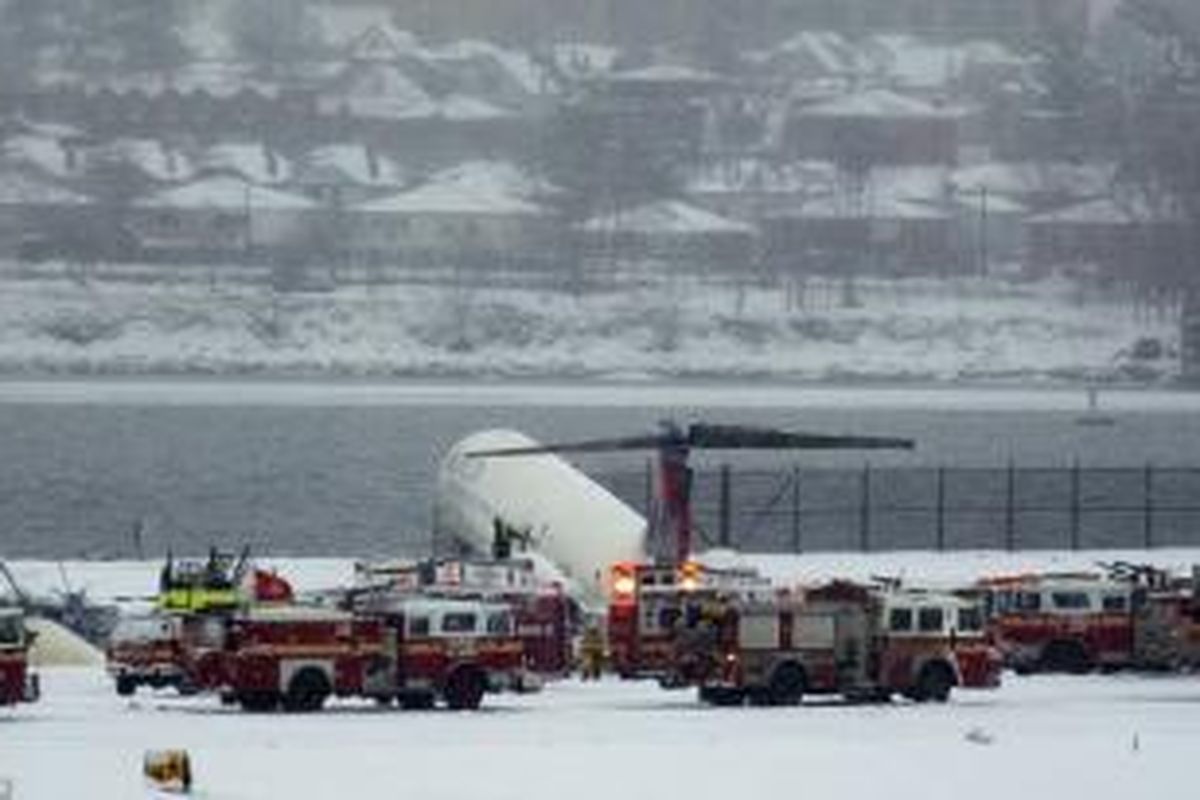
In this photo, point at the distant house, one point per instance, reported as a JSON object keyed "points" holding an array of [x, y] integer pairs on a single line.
{"points": [[685, 237], [224, 217], [1125, 238], [872, 127], [846, 233], [480, 214]]}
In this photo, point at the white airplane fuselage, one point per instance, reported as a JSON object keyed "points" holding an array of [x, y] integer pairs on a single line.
{"points": [[576, 524]]}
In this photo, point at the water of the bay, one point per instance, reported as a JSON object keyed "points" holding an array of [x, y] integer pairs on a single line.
{"points": [[111, 468]]}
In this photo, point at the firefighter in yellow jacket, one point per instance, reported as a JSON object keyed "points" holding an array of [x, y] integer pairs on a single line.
{"points": [[591, 654]]}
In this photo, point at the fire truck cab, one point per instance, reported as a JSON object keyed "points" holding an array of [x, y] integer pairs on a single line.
{"points": [[918, 622], [544, 616], [1061, 622], [17, 683]]}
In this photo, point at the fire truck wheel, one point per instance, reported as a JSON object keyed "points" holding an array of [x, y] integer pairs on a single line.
{"points": [[465, 688], [1066, 655], [126, 685], [307, 691], [934, 683], [787, 684]]}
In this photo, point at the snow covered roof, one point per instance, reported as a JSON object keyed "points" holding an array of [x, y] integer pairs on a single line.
{"points": [[373, 41], [461, 107], [827, 52], [251, 161], [519, 66], [20, 188], [226, 193], [349, 164], [664, 73], [44, 153], [872, 206], [921, 63], [1027, 177], [1101, 211], [151, 157], [477, 187], [883, 103], [665, 217], [757, 175], [376, 90]]}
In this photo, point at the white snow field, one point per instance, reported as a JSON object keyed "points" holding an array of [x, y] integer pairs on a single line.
{"points": [[1037, 737]]}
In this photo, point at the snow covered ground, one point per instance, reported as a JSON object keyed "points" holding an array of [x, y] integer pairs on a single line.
{"points": [[911, 330], [1095, 736]]}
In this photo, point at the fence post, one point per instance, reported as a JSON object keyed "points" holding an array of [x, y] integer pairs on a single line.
{"points": [[1075, 504], [1010, 508], [941, 509], [725, 506], [796, 542], [864, 508], [1148, 507]]}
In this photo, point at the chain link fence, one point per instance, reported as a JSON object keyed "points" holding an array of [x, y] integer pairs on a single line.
{"points": [[936, 508]]}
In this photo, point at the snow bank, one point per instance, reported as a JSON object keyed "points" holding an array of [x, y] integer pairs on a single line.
{"points": [[59, 647], [904, 330]]}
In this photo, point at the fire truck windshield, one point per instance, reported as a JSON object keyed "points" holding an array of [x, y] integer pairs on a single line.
{"points": [[459, 622], [1072, 601], [930, 620]]}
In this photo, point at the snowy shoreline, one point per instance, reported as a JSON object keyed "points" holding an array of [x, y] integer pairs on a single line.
{"points": [[910, 332]]}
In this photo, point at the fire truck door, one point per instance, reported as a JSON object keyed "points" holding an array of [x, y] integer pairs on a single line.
{"points": [[850, 646]]}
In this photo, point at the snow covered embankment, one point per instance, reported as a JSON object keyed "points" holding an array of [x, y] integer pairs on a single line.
{"points": [[906, 330]]}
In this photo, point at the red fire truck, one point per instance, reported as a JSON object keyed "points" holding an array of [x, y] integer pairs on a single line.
{"points": [[149, 649], [743, 641], [415, 651], [1061, 622], [1132, 617], [17, 683], [546, 618]]}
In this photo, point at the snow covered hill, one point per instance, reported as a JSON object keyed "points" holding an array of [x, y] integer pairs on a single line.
{"points": [[898, 330]]}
